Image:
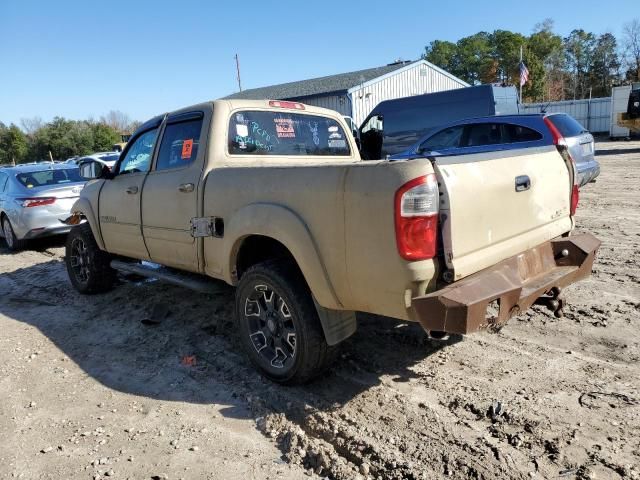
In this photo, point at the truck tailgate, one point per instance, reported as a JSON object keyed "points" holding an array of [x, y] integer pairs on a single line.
{"points": [[495, 205]]}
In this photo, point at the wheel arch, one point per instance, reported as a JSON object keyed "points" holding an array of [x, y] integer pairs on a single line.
{"points": [[284, 231], [83, 207]]}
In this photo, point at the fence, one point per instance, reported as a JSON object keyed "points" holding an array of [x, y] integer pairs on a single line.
{"points": [[594, 114]]}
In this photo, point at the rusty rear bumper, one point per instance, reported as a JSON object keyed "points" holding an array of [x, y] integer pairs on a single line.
{"points": [[515, 283]]}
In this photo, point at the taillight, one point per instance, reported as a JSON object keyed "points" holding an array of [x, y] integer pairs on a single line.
{"points": [[416, 217], [559, 142], [283, 104], [575, 196], [36, 201]]}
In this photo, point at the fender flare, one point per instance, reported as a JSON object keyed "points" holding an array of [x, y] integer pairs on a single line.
{"points": [[284, 225], [83, 206]]}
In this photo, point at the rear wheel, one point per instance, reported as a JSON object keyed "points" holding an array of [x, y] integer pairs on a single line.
{"points": [[279, 325], [88, 267], [10, 238]]}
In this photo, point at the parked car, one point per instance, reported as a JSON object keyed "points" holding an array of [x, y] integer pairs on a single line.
{"points": [[580, 143], [273, 198], [33, 199], [106, 158], [394, 125], [510, 132]]}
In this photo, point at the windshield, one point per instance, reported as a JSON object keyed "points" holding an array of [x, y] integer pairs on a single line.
{"points": [[49, 177], [112, 157]]}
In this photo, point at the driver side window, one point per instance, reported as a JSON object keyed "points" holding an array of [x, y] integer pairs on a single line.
{"points": [[138, 157]]}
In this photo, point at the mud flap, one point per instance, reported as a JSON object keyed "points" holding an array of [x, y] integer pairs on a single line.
{"points": [[337, 325]]}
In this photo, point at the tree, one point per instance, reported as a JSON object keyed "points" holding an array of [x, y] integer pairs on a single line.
{"points": [[13, 145], [117, 120], [547, 47], [631, 43], [505, 46], [31, 125], [579, 49], [443, 54], [605, 69], [104, 136], [474, 60]]}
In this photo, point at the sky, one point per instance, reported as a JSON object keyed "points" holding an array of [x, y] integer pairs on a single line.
{"points": [[80, 59]]}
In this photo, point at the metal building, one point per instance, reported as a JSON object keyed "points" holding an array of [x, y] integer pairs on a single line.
{"points": [[594, 114], [355, 94]]}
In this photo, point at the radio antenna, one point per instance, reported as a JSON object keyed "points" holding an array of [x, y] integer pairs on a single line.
{"points": [[238, 71]]}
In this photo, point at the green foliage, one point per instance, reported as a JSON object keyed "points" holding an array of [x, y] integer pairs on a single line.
{"points": [[62, 137], [573, 67], [13, 144]]}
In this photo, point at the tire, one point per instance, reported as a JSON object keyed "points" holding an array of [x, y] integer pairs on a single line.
{"points": [[88, 266], [13, 244], [278, 323]]}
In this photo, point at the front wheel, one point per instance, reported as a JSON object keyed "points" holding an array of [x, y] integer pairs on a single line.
{"points": [[88, 267], [279, 325]]}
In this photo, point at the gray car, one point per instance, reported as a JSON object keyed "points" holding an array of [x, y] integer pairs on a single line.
{"points": [[580, 144], [33, 199]]}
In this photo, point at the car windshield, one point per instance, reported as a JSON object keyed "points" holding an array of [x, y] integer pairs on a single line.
{"points": [[43, 178]]}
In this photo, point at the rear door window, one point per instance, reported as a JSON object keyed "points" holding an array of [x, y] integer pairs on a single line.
{"points": [[180, 144], [518, 133], [483, 134], [285, 133], [567, 125]]}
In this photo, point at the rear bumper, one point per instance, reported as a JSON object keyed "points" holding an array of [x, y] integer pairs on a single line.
{"points": [[47, 231], [515, 283], [588, 172]]}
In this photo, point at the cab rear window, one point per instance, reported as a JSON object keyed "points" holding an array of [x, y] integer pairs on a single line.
{"points": [[284, 133]]}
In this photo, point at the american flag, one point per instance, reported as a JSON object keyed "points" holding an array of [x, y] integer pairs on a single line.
{"points": [[524, 74]]}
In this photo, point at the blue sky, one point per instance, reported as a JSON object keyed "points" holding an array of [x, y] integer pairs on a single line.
{"points": [[81, 58]]}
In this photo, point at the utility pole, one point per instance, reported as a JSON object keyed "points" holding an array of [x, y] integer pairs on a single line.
{"points": [[238, 72]]}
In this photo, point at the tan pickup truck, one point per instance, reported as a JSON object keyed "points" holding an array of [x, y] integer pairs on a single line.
{"points": [[273, 198]]}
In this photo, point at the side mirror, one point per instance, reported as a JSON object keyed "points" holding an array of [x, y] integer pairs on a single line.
{"points": [[90, 170]]}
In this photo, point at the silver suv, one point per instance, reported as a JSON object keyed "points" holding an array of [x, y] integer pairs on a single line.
{"points": [[580, 144]]}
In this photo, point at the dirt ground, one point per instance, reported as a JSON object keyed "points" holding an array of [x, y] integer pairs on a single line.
{"points": [[90, 388]]}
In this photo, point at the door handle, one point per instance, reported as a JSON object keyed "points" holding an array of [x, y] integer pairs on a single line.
{"points": [[523, 182], [132, 190], [186, 187]]}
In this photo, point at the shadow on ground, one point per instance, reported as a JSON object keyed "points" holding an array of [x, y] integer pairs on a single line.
{"points": [[163, 342]]}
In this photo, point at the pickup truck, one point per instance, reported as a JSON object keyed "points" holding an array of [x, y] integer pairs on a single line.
{"points": [[273, 198]]}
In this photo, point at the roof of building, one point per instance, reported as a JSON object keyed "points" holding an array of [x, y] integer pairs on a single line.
{"points": [[316, 86]]}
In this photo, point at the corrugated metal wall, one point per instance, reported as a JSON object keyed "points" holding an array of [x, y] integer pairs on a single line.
{"points": [[594, 114], [417, 80], [339, 103]]}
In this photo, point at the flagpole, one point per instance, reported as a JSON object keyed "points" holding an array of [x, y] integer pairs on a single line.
{"points": [[520, 70]]}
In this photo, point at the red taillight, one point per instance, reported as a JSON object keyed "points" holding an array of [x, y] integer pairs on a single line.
{"points": [[283, 104], [36, 201], [575, 196], [416, 217], [561, 145]]}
